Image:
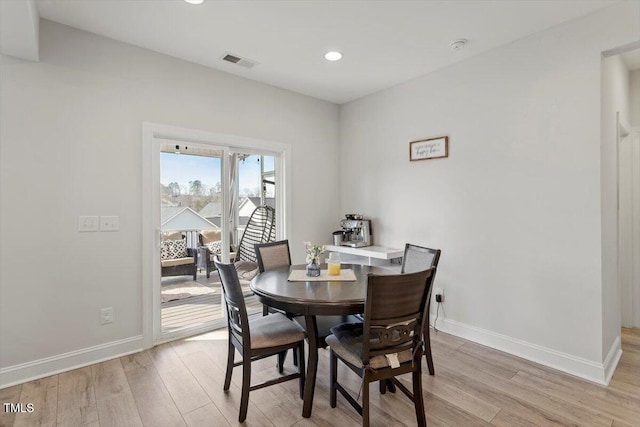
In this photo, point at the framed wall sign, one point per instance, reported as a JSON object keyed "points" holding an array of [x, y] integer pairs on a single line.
{"points": [[432, 148]]}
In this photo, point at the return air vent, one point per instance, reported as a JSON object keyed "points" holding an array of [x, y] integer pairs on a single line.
{"points": [[238, 60]]}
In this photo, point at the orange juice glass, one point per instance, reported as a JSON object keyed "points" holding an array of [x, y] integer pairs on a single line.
{"points": [[333, 264]]}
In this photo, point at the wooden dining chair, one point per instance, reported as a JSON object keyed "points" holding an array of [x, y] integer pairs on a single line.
{"points": [[272, 255], [256, 338], [276, 254], [417, 258], [389, 342], [269, 256]]}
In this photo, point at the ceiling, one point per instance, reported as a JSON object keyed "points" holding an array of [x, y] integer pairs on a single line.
{"points": [[384, 42]]}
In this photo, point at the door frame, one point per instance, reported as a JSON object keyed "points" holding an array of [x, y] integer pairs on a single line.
{"points": [[151, 132]]}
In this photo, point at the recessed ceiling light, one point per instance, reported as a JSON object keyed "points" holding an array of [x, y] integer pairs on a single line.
{"points": [[194, 1], [333, 56]]}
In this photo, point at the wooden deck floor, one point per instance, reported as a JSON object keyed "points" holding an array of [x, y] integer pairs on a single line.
{"points": [[197, 310]]}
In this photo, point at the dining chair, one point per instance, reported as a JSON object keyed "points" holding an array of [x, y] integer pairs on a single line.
{"points": [[269, 256], [276, 254], [389, 342], [418, 258], [256, 338], [272, 255]]}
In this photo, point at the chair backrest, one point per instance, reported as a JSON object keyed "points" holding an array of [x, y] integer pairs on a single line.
{"points": [[395, 313], [172, 235], [237, 318], [272, 255], [417, 258], [261, 228], [209, 236]]}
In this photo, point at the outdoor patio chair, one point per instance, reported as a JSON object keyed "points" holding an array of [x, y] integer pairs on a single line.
{"points": [[417, 258], [257, 338], [210, 247], [261, 228], [389, 343], [175, 258]]}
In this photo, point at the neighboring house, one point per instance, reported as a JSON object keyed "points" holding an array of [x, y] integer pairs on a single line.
{"points": [[180, 218], [212, 212], [249, 204]]}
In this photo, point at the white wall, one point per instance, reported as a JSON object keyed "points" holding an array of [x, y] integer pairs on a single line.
{"points": [[634, 98], [516, 207], [71, 143], [615, 99]]}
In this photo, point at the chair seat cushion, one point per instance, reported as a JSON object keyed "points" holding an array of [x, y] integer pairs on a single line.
{"points": [[177, 261], [274, 330], [247, 270], [346, 342]]}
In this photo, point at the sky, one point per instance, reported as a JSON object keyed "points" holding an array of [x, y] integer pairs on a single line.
{"points": [[182, 168]]}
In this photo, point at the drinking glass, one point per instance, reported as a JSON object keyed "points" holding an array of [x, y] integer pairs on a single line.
{"points": [[333, 264]]}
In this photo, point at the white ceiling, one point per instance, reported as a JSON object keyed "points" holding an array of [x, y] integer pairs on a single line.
{"points": [[384, 42]]}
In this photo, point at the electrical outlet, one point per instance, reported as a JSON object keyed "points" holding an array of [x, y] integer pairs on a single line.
{"points": [[87, 223], [109, 223], [106, 315], [439, 291]]}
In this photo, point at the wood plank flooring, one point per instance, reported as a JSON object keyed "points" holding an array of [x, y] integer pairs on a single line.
{"points": [[202, 309], [180, 384]]}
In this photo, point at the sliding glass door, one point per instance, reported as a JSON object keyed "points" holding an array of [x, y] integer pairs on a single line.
{"points": [[191, 203], [199, 190]]}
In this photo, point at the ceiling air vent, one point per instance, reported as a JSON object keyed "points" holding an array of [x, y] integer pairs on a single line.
{"points": [[235, 59]]}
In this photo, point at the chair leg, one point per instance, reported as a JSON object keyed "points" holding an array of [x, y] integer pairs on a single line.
{"points": [[301, 370], [295, 358], [365, 401], [383, 386], [246, 384], [265, 310], [427, 351], [281, 357], [417, 398], [230, 360], [390, 385], [333, 377]]}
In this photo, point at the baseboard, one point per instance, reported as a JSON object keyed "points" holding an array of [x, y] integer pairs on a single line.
{"points": [[41, 368], [587, 369], [612, 359]]}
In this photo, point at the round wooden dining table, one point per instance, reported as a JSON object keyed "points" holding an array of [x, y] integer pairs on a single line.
{"points": [[311, 299]]}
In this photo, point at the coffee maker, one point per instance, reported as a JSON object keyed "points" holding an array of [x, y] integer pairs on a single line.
{"points": [[356, 231]]}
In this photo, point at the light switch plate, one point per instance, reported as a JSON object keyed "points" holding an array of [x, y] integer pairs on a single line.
{"points": [[87, 223], [109, 223]]}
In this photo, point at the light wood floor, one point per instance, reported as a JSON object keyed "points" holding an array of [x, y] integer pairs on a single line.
{"points": [[180, 384]]}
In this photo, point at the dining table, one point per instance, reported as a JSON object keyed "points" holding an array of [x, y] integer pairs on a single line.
{"points": [[323, 296]]}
